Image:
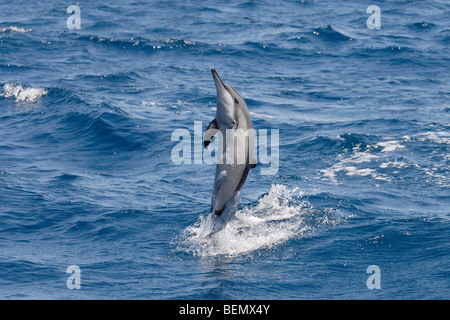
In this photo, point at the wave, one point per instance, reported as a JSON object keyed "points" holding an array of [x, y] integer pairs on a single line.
{"points": [[23, 94], [55, 95], [278, 216], [330, 34], [105, 131], [119, 77], [401, 56], [422, 25], [391, 51], [140, 43], [13, 29], [388, 159], [343, 143]]}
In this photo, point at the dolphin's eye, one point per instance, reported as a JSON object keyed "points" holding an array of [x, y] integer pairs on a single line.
{"points": [[236, 101]]}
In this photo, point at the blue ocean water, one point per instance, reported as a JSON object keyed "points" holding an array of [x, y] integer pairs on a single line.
{"points": [[87, 176]]}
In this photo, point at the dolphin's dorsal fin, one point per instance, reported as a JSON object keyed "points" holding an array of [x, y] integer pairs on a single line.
{"points": [[210, 132]]}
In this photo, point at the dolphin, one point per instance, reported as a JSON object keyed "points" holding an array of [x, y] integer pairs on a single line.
{"points": [[235, 129]]}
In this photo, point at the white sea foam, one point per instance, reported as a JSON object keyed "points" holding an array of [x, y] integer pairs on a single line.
{"points": [[353, 171], [389, 146], [351, 165], [14, 29], [262, 115], [347, 166], [440, 137], [395, 164], [179, 107], [22, 94], [279, 216], [386, 155], [151, 103]]}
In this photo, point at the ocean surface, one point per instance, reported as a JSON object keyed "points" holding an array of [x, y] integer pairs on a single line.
{"points": [[88, 180]]}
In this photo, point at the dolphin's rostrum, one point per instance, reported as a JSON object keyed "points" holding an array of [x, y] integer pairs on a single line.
{"points": [[234, 127]]}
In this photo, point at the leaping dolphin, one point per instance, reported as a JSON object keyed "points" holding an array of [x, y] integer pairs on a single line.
{"points": [[235, 129]]}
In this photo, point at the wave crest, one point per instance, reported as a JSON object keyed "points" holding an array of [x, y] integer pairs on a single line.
{"points": [[13, 29], [23, 94], [330, 34]]}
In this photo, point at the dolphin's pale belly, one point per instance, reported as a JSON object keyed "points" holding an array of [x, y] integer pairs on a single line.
{"points": [[228, 179], [232, 170]]}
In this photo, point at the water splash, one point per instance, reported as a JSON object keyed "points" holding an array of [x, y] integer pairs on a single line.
{"points": [[22, 94], [278, 216]]}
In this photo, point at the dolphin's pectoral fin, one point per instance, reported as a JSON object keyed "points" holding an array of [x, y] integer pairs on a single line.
{"points": [[231, 207], [210, 132]]}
